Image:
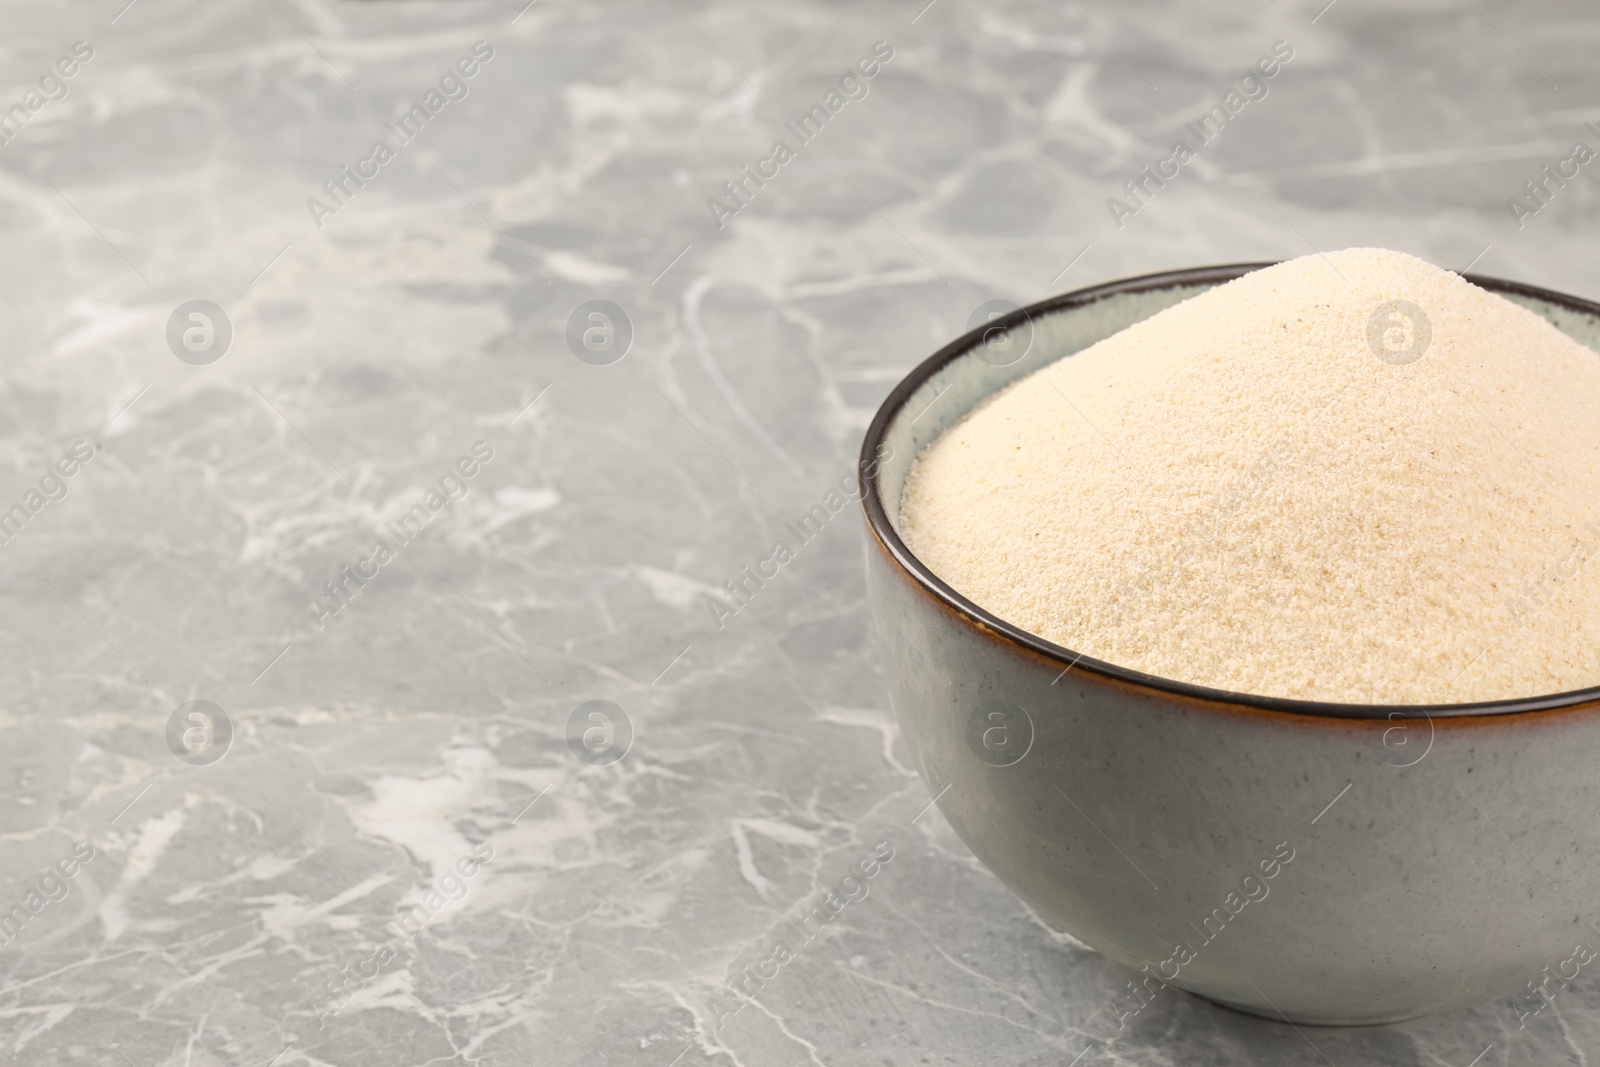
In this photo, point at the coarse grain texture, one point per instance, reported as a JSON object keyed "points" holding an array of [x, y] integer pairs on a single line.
{"points": [[1238, 493]]}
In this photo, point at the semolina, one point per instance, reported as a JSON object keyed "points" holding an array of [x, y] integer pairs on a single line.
{"points": [[1353, 478]]}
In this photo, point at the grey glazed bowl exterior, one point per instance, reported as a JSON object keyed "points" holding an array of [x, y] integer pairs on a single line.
{"points": [[1435, 855]]}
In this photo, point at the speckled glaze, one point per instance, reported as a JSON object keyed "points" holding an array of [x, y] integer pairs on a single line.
{"points": [[1324, 863]]}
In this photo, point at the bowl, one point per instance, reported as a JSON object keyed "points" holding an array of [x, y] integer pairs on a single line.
{"points": [[1310, 861]]}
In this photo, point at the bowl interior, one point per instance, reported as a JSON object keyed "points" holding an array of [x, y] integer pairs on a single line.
{"points": [[1011, 348], [943, 389]]}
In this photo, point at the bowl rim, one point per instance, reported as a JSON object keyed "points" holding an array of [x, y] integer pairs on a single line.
{"points": [[967, 611]]}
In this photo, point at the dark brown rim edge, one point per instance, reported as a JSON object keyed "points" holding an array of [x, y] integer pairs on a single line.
{"points": [[878, 519]]}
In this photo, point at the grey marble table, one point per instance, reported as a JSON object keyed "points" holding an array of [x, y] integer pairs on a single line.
{"points": [[302, 656]]}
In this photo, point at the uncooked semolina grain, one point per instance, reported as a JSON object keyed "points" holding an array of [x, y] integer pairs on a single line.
{"points": [[1238, 492]]}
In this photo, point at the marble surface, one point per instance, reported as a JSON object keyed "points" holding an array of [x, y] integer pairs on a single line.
{"points": [[355, 767]]}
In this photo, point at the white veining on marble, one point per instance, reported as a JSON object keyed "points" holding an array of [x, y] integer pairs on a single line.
{"points": [[371, 756]]}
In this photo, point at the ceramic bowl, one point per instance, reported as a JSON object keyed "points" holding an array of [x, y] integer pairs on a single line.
{"points": [[1320, 862]]}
